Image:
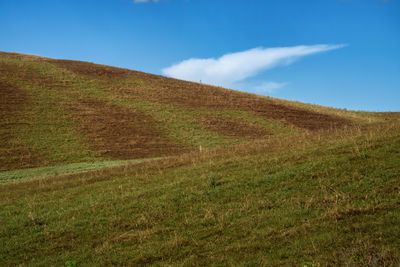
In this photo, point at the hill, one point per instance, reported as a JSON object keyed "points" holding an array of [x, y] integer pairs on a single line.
{"points": [[102, 165], [60, 111]]}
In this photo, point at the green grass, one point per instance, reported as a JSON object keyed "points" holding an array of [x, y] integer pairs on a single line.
{"points": [[23, 175], [328, 200]]}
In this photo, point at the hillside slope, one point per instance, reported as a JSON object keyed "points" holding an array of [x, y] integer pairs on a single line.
{"points": [[60, 111], [310, 200], [131, 169]]}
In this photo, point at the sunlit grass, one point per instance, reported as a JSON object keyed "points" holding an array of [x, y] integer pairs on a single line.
{"points": [[23, 175], [330, 199]]}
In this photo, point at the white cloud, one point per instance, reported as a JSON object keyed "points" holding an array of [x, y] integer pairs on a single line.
{"points": [[232, 68], [261, 88], [267, 87], [145, 1]]}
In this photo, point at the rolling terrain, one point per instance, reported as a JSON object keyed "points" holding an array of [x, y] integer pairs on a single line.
{"points": [[108, 166]]}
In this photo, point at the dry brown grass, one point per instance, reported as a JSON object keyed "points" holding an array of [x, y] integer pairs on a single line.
{"points": [[14, 153], [229, 127], [121, 133]]}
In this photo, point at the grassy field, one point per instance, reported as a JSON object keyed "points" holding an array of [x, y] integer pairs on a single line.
{"points": [[235, 179]]}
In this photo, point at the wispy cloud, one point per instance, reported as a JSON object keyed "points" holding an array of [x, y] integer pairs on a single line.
{"points": [[258, 87], [232, 68], [145, 1], [268, 87]]}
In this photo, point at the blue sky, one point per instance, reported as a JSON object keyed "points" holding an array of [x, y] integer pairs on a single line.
{"points": [[341, 53]]}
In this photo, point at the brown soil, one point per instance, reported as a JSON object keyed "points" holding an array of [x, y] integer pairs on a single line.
{"points": [[121, 133], [234, 128], [13, 153]]}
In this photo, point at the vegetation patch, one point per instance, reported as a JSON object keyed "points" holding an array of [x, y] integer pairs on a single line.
{"points": [[23, 175]]}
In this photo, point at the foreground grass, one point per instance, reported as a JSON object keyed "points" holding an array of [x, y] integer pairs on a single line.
{"points": [[321, 199]]}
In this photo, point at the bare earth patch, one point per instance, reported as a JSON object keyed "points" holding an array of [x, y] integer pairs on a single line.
{"points": [[229, 127], [121, 133]]}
